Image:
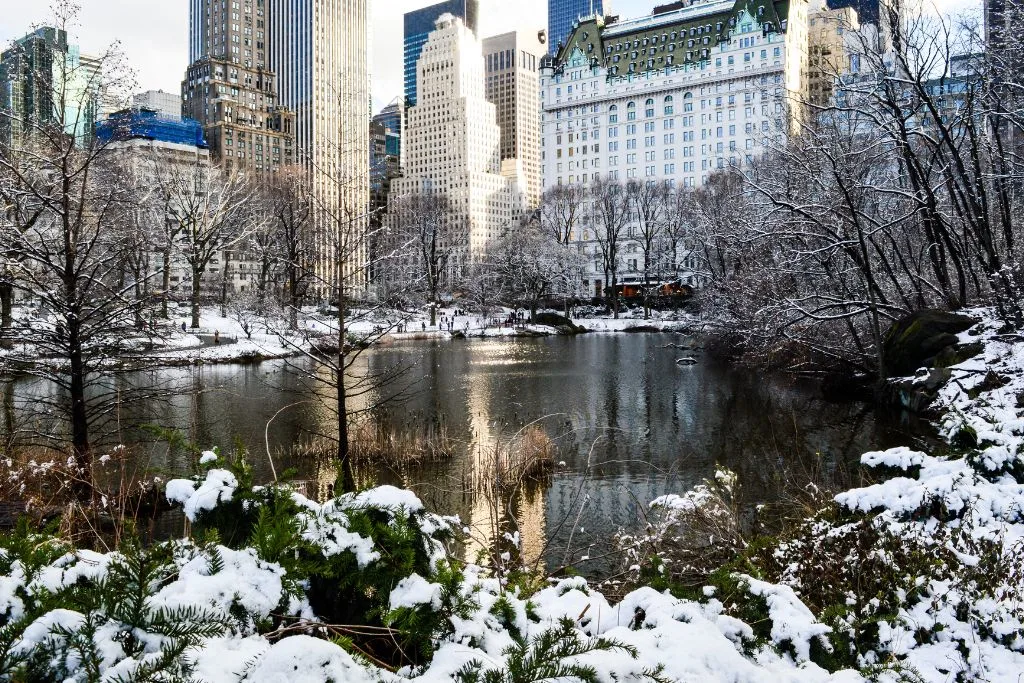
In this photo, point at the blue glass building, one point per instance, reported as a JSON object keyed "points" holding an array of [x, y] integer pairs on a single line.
{"points": [[418, 26], [562, 14]]}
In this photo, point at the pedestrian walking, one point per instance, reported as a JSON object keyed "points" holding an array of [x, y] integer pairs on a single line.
{"points": [[216, 336], [182, 325]]}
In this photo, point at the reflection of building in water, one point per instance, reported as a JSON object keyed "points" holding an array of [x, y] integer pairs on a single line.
{"points": [[491, 451]]}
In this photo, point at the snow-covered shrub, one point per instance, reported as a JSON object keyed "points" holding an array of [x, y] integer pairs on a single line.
{"points": [[688, 536], [346, 557], [82, 615]]}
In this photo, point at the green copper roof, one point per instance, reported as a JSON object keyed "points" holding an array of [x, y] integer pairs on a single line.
{"points": [[671, 39]]}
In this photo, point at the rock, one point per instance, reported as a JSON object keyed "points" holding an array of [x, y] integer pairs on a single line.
{"points": [[954, 355], [916, 340], [559, 322], [552, 319]]}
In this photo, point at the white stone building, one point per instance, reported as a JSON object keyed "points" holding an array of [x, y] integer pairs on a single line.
{"points": [[168, 104], [452, 141], [673, 97]]}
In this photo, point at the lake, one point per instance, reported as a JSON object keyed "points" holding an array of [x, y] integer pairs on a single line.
{"points": [[623, 421]]}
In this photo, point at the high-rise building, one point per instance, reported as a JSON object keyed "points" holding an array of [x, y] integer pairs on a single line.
{"points": [[452, 143], [1004, 20], [391, 116], [419, 24], [868, 11], [164, 103], [386, 128], [37, 73], [277, 82], [318, 51], [230, 89], [512, 62], [834, 51], [563, 15]]}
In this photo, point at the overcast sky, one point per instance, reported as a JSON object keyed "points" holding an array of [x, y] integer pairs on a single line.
{"points": [[154, 33]]}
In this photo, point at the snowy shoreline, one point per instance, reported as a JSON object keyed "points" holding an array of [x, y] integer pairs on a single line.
{"points": [[183, 348]]}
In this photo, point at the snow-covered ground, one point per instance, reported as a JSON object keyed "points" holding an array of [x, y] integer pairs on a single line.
{"points": [[270, 339]]}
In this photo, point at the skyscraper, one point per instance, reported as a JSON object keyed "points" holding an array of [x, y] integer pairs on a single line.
{"points": [[318, 51], [418, 26], [562, 14], [37, 73], [452, 143], [1003, 21], [277, 82], [512, 62], [230, 90]]}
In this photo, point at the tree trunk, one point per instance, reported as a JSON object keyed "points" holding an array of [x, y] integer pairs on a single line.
{"points": [[7, 388], [79, 417], [615, 295], [346, 476], [293, 313], [196, 274], [166, 284], [224, 285], [6, 315]]}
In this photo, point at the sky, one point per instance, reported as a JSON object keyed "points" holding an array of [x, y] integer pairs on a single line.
{"points": [[153, 34]]}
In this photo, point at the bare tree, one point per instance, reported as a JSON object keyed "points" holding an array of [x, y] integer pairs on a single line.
{"points": [[562, 207], [427, 241], [209, 206], [62, 203], [611, 208], [562, 210], [290, 205], [649, 203], [525, 261]]}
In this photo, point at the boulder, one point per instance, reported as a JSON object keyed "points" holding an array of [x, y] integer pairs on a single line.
{"points": [[559, 322], [915, 340]]}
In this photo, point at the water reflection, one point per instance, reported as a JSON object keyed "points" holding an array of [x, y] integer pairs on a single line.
{"points": [[629, 424]]}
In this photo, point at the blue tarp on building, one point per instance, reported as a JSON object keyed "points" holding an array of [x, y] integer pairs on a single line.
{"points": [[146, 124]]}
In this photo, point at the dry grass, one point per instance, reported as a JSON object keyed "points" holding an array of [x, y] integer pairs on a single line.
{"points": [[43, 484], [373, 442]]}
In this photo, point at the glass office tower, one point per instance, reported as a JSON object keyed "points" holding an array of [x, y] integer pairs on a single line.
{"points": [[418, 26], [562, 14]]}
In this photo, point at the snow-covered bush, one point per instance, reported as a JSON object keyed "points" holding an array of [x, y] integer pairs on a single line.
{"points": [[273, 586]]}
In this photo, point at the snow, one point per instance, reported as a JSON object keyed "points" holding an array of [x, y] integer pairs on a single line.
{"points": [[244, 581], [218, 487], [413, 591], [304, 658], [329, 531], [228, 658], [207, 457], [793, 625], [902, 458], [385, 498]]}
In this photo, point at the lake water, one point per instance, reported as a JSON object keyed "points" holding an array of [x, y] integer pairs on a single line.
{"points": [[625, 421]]}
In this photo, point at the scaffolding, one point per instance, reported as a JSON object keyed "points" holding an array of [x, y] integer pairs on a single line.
{"points": [[148, 124]]}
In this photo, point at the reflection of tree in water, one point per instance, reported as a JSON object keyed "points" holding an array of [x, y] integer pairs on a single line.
{"points": [[628, 422]]}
